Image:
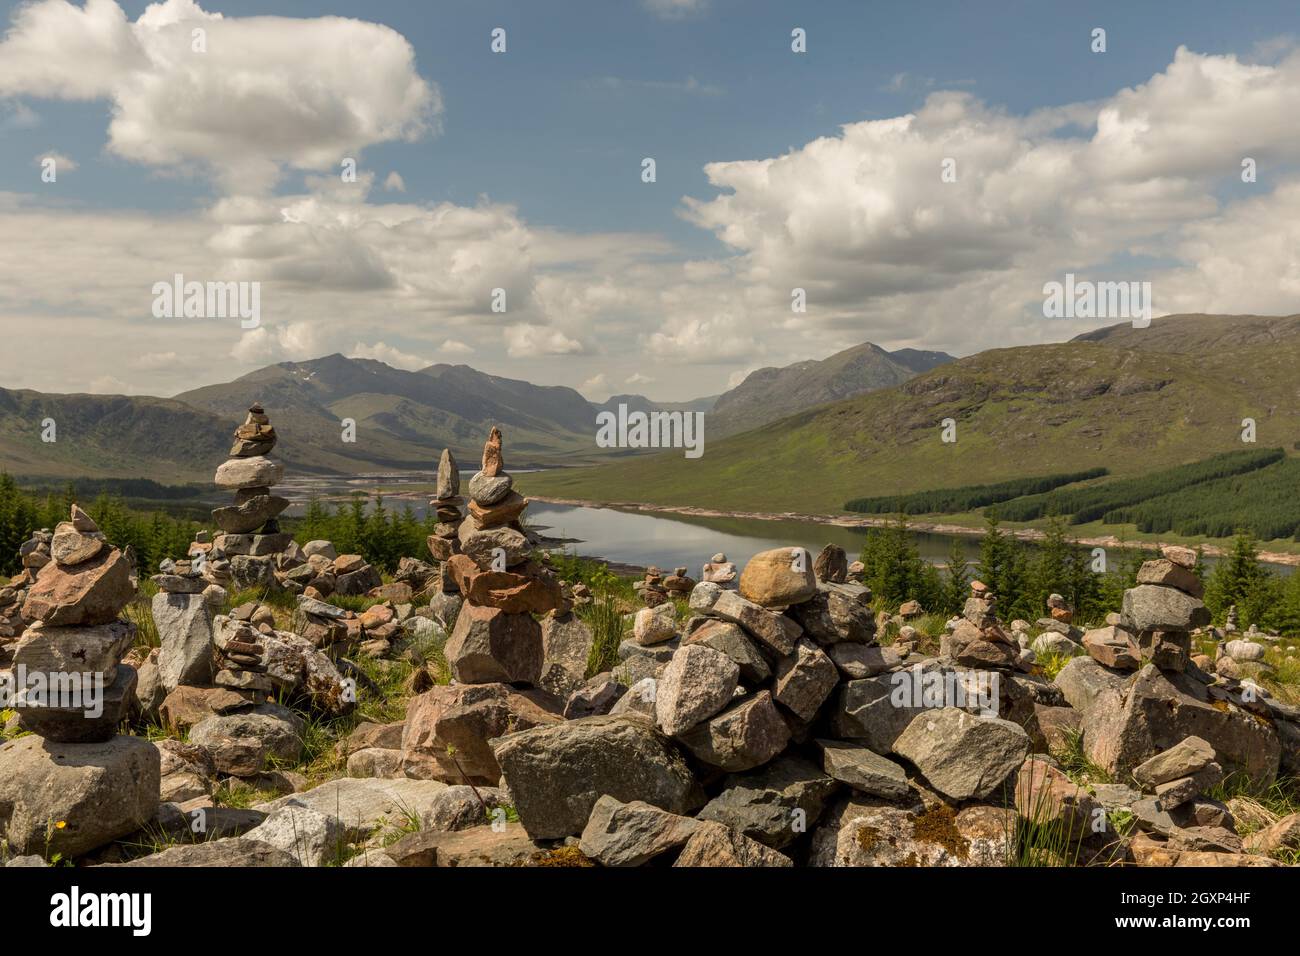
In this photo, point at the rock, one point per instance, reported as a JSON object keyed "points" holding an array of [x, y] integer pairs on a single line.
{"points": [[1282, 835], [249, 515], [358, 582], [93, 592], [863, 769], [557, 773], [832, 565], [504, 511], [730, 639], [654, 625], [493, 464], [364, 805], [71, 547], [714, 845], [857, 661], [838, 613], [99, 791], [448, 729], [480, 846], [776, 632], [1048, 800], [482, 544], [309, 836], [774, 804], [1183, 557], [320, 547], [865, 710], [1059, 726], [1056, 644], [1244, 651], [1175, 793], [594, 697], [1149, 607], [185, 639], [962, 756], [186, 706], [255, 472], [236, 853], [448, 475], [1160, 710], [375, 762], [523, 592], [487, 490], [1113, 647], [277, 729], [697, 683], [464, 807], [639, 699], [1083, 680], [1165, 572], [631, 834], [83, 718], [490, 646], [86, 649], [863, 832], [1181, 760], [779, 578], [744, 736], [566, 649], [804, 680]]}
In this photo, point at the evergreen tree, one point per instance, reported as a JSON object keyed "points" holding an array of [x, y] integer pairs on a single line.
{"points": [[956, 582]]}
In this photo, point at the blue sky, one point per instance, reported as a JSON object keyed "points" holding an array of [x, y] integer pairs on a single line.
{"points": [[556, 129]]}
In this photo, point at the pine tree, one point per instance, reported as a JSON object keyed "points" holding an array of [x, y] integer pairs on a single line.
{"points": [[956, 582]]}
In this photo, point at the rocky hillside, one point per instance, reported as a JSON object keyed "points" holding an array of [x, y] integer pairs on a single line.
{"points": [[1023, 411], [769, 394]]}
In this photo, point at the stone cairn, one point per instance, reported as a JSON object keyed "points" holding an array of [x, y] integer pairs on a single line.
{"points": [[718, 570], [1164, 608], [34, 553], [75, 784], [250, 535], [445, 542]]}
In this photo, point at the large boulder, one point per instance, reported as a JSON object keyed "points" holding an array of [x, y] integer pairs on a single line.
{"points": [[448, 728], [962, 756], [1160, 709], [566, 649], [93, 592], [697, 683], [746, 735], [732, 640], [1150, 607], [869, 711], [490, 646], [863, 831], [779, 578], [631, 834], [557, 773], [365, 805], [184, 624], [838, 612], [774, 805], [72, 798], [1083, 680], [311, 837], [78, 649]]}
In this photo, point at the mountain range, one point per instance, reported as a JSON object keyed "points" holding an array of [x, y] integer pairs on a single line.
{"points": [[1126, 399], [403, 419]]}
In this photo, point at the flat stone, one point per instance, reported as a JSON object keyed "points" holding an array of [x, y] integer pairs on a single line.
{"points": [[557, 773], [93, 592], [863, 769], [71, 547], [254, 472], [1165, 572], [776, 632], [236, 853], [962, 756], [1149, 607], [364, 804], [488, 490], [716, 845], [250, 515], [731, 639], [94, 648], [1184, 758], [632, 834], [774, 804], [838, 613], [80, 721], [861, 831]]}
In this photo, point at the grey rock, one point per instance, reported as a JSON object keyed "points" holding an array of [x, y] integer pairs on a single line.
{"points": [[863, 769], [962, 756]]}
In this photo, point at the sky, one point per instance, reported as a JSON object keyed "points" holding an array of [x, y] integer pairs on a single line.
{"points": [[523, 171]]}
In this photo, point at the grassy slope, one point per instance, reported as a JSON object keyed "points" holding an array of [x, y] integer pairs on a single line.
{"points": [[1021, 411]]}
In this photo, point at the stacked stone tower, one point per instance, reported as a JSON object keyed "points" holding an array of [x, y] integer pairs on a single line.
{"points": [[250, 535]]}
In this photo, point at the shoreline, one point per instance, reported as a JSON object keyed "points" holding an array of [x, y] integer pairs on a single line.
{"points": [[932, 527]]}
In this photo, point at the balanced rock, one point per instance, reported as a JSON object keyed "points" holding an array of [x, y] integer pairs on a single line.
{"points": [[93, 592], [490, 646], [779, 578], [258, 471]]}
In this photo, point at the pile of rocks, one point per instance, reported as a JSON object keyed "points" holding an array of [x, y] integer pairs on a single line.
{"points": [[445, 600], [251, 536], [719, 571], [74, 784], [650, 589], [34, 554], [183, 610]]}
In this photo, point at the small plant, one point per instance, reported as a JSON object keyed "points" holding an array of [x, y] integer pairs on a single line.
{"points": [[606, 622]]}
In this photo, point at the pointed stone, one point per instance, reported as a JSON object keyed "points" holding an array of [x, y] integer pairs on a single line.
{"points": [[448, 475]]}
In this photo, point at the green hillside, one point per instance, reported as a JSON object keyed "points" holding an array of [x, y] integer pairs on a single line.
{"points": [[1021, 412]]}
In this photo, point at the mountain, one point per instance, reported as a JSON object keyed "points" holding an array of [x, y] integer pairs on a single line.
{"points": [[1019, 412], [403, 419], [109, 436], [639, 403], [769, 394]]}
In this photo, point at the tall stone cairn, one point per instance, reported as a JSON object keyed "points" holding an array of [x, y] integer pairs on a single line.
{"points": [[496, 639], [1165, 607], [75, 784], [250, 535]]}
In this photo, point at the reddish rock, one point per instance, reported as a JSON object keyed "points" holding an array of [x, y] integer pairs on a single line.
{"points": [[522, 591], [93, 592], [489, 645]]}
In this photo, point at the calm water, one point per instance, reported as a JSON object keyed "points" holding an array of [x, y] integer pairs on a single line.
{"points": [[635, 538]]}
